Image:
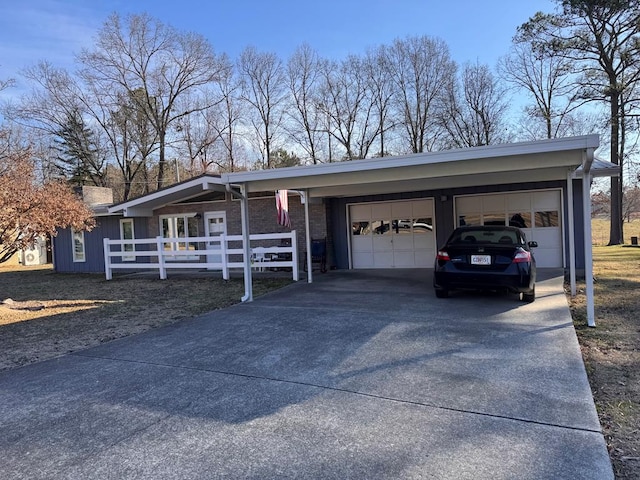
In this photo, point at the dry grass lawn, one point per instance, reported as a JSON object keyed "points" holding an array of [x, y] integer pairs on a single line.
{"points": [[53, 314], [57, 313], [611, 351]]}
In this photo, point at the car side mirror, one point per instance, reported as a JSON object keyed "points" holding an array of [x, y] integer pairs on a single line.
{"points": [[533, 244]]}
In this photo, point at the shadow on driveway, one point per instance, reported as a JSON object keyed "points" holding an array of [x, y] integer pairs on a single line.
{"points": [[362, 374]]}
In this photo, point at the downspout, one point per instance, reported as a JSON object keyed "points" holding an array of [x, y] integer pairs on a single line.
{"points": [[588, 247], [244, 218]]}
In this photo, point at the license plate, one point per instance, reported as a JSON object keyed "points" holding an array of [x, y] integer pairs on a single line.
{"points": [[480, 259]]}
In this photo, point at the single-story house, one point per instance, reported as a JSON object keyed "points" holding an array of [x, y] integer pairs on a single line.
{"points": [[389, 212]]}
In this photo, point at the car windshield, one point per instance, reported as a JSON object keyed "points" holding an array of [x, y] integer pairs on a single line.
{"points": [[499, 237]]}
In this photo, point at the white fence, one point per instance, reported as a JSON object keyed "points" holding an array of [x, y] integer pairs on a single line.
{"points": [[211, 253]]}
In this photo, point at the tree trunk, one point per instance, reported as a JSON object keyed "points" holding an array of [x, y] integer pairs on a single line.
{"points": [[161, 160], [615, 232]]}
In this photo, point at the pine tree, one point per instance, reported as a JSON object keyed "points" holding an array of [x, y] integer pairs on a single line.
{"points": [[80, 160]]}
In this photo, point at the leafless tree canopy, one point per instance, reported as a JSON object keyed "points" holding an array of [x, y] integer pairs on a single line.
{"points": [[601, 42], [159, 105]]}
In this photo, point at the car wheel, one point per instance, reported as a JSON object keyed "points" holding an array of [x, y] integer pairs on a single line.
{"points": [[529, 297], [442, 293]]}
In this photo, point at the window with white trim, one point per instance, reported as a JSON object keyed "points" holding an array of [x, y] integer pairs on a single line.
{"points": [[180, 226], [127, 233], [77, 237]]}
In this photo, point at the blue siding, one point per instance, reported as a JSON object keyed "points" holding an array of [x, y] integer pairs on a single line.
{"points": [[107, 227]]}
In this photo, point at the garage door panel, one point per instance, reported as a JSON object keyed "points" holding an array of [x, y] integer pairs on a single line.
{"points": [[422, 208], [362, 259], [382, 243], [383, 259], [539, 211], [424, 242], [360, 212], [401, 210], [394, 234], [362, 243], [404, 259], [403, 242], [547, 257], [546, 200], [381, 211], [494, 203], [424, 258], [519, 201]]}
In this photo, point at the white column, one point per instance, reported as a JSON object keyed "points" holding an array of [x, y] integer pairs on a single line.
{"points": [[107, 258], [246, 246], [588, 249], [572, 234], [308, 237], [161, 261]]}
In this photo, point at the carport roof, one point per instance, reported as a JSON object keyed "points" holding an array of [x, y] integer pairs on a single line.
{"points": [[496, 164], [490, 165]]}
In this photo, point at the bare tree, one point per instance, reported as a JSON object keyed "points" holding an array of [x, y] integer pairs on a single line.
{"points": [[264, 89], [140, 54], [631, 203], [548, 80], [54, 108], [474, 114], [380, 87], [421, 69], [602, 39], [132, 137], [6, 83], [229, 114], [348, 107], [198, 135], [304, 77], [53, 99]]}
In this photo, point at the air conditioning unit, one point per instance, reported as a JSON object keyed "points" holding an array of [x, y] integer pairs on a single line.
{"points": [[36, 255]]}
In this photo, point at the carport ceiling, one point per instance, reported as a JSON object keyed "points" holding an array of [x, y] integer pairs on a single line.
{"points": [[499, 164]]}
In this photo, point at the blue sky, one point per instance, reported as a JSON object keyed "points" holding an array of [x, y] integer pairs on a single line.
{"points": [[475, 30]]}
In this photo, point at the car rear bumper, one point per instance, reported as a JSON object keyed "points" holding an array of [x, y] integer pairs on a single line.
{"points": [[521, 282]]}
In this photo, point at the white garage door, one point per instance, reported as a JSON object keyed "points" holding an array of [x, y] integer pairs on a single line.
{"points": [[392, 234], [537, 213]]}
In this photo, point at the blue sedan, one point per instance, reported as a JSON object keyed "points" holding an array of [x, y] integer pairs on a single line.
{"points": [[486, 257]]}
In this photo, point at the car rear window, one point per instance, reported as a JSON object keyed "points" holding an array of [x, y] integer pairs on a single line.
{"points": [[500, 237]]}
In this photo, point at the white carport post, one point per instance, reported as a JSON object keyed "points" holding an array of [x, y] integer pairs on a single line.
{"points": [[588, 248], [572, 234], [307, 230], [246, 245]]}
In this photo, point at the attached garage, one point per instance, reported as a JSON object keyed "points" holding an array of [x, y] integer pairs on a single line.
{"points": [[393, 212], [538, 213], [392, 234]]}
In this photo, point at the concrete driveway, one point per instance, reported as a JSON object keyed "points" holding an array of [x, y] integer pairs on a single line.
{"points": [[361, 375]]}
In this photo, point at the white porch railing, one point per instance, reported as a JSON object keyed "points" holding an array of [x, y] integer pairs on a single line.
{"points": [[211, 253]]}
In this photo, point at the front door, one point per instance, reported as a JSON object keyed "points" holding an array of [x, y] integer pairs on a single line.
{"points": [[215, 224]]}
